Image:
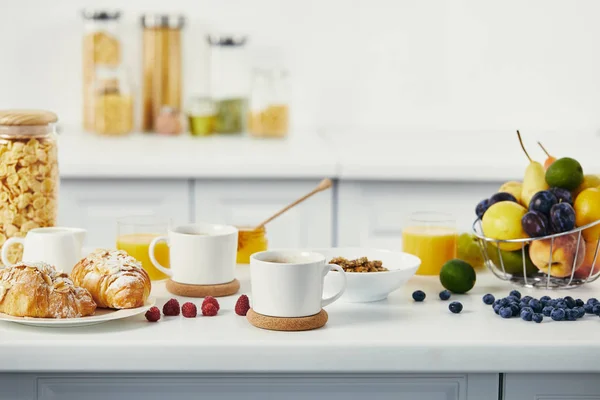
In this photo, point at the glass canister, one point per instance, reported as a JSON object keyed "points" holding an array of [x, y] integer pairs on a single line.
{"points": [[28, 174], [229, 82], [101, 47], [250, 241], [161, 65], [113, 102], [201, 116], [268, 114]]}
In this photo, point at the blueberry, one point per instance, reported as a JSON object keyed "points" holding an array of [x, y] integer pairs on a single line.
{"points": [[579, 303], [445, 294], [580, 312], [570, 315], [515, 293], [481, 208], [552, 303], [558, 314], [526, 315], [455, 307], [504, 302], [570, 302], [506, 312], [545, 298], [561, 304], [535, 305], [547, 311], [537, 318], [589, 309], [488, 298], [526, 298], [596, 309], [513, 299], [418, 295], [515, 310], [592, 301], [497, 308]]}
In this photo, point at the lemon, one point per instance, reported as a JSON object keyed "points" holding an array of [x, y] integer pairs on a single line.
{"points": [[587, 210], [589, 181], [502, 221], [513, 187], [458, 276], [468, 249]]}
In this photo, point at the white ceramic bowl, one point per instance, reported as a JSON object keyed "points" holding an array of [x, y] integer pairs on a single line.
{"points": [[364, 287]]}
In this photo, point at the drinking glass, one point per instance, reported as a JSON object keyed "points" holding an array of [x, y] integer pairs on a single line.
{"points": [[432, 237], [134, 234]]}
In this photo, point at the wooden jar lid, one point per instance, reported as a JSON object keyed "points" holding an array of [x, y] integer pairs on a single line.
{"points": [[27, 117]]}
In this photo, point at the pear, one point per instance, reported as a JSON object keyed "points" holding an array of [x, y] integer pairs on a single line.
{"points": [[535, 177]]}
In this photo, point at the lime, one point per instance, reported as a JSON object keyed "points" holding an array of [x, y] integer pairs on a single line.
{"points": [[565, 173], [457, 276], [468, 249]]}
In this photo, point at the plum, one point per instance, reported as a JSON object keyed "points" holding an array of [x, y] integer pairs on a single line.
{"points": [[562, 217], [543, 201], [482, 207], [501, 196], [535, 224], [562, 195]]}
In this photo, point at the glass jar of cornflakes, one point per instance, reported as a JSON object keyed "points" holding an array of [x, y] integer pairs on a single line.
{"points": [[113, 102], [29, 178], [250, 241]]}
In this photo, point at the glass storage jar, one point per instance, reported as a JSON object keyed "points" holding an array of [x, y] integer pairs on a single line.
{"points": [[250, 241], [29, 178], [268, 114], [161, 66], [229, 82], [101, 47], [113, 102], [201, 116]]}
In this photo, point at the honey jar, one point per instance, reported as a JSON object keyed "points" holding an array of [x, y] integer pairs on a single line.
{"points": [[250, 241]]}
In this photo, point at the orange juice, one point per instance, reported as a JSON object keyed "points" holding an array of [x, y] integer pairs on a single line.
{"points": [[434, 245], [137, 244]]}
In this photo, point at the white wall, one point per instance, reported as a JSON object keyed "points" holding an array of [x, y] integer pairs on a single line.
{"points": [[432, 64]]}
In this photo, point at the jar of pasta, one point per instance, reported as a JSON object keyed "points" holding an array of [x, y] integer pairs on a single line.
{"points": [[268, 114], [29, 178], [250, 241], [113, 102], [101, 47]]}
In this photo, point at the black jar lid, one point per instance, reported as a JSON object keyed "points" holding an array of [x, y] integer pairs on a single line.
{"points": [[226, 40], [172, 21], [101, 15]]}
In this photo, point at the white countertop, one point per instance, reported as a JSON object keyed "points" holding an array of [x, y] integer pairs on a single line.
{"points": [[352, 156], [396, 335]]}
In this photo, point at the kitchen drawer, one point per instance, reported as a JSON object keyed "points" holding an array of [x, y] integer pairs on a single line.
{"points": [[552, 386], [372, 214], [248, 202], [96, 204]]}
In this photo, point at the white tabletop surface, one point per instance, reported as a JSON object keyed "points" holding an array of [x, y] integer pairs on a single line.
{"points": [[395, 335]]}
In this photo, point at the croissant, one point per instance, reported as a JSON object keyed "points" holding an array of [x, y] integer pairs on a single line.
{"points": [[39, 290], [114, 279]]}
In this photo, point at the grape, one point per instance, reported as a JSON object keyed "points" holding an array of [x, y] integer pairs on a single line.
{"points": [[562, 217], [481, 208], [535, 224], [501, 196], [543, 202], [562, 195]]}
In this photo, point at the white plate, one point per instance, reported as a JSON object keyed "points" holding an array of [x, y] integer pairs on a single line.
{"points": [[101, 315]]}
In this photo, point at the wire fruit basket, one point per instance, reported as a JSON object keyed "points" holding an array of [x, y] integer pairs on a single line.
{"points": [[569, 257]]}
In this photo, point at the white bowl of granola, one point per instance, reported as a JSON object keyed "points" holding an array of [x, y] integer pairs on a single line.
{"points": [[382, 272]]}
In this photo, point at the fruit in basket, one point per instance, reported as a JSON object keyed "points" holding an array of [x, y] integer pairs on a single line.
{"points": [[542, 202], [534, 180], [468, 249], [502, 221], [501, 196], [535, 224], [588, 264], [550, 160], [481, 208], [587, 210], [563, 254], [562, 218], [514, 188], [589, 181], [457, 276], [562, 195], [512, 260], [565, 173]]}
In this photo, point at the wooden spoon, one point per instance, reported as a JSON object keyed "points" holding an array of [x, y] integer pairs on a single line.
{"points": [[323, 185]]}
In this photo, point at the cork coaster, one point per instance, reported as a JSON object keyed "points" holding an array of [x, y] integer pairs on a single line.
{"points": [[187, 290], [287, 324]]}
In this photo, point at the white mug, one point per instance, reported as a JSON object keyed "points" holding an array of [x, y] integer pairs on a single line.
{"points": [[289, 283], [199, 254], [57, 246]]}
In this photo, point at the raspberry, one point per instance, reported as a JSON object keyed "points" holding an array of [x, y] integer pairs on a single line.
{"points": [[189, 310], [211, 300], [153, 314], [209, 310], [242, 305], [171, 307]]}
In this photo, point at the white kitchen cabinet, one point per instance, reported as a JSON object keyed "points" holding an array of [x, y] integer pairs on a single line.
{"points": [[372, 214], [95, 204], [567, 386], [248, 202]]}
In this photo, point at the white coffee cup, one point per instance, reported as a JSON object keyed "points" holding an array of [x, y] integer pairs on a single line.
{"points": [[199, 254], [57, 246], [289, 283]]}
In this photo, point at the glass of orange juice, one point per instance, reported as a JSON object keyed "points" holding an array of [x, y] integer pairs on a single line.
{"points": [[432, 237], [134, 235]]}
